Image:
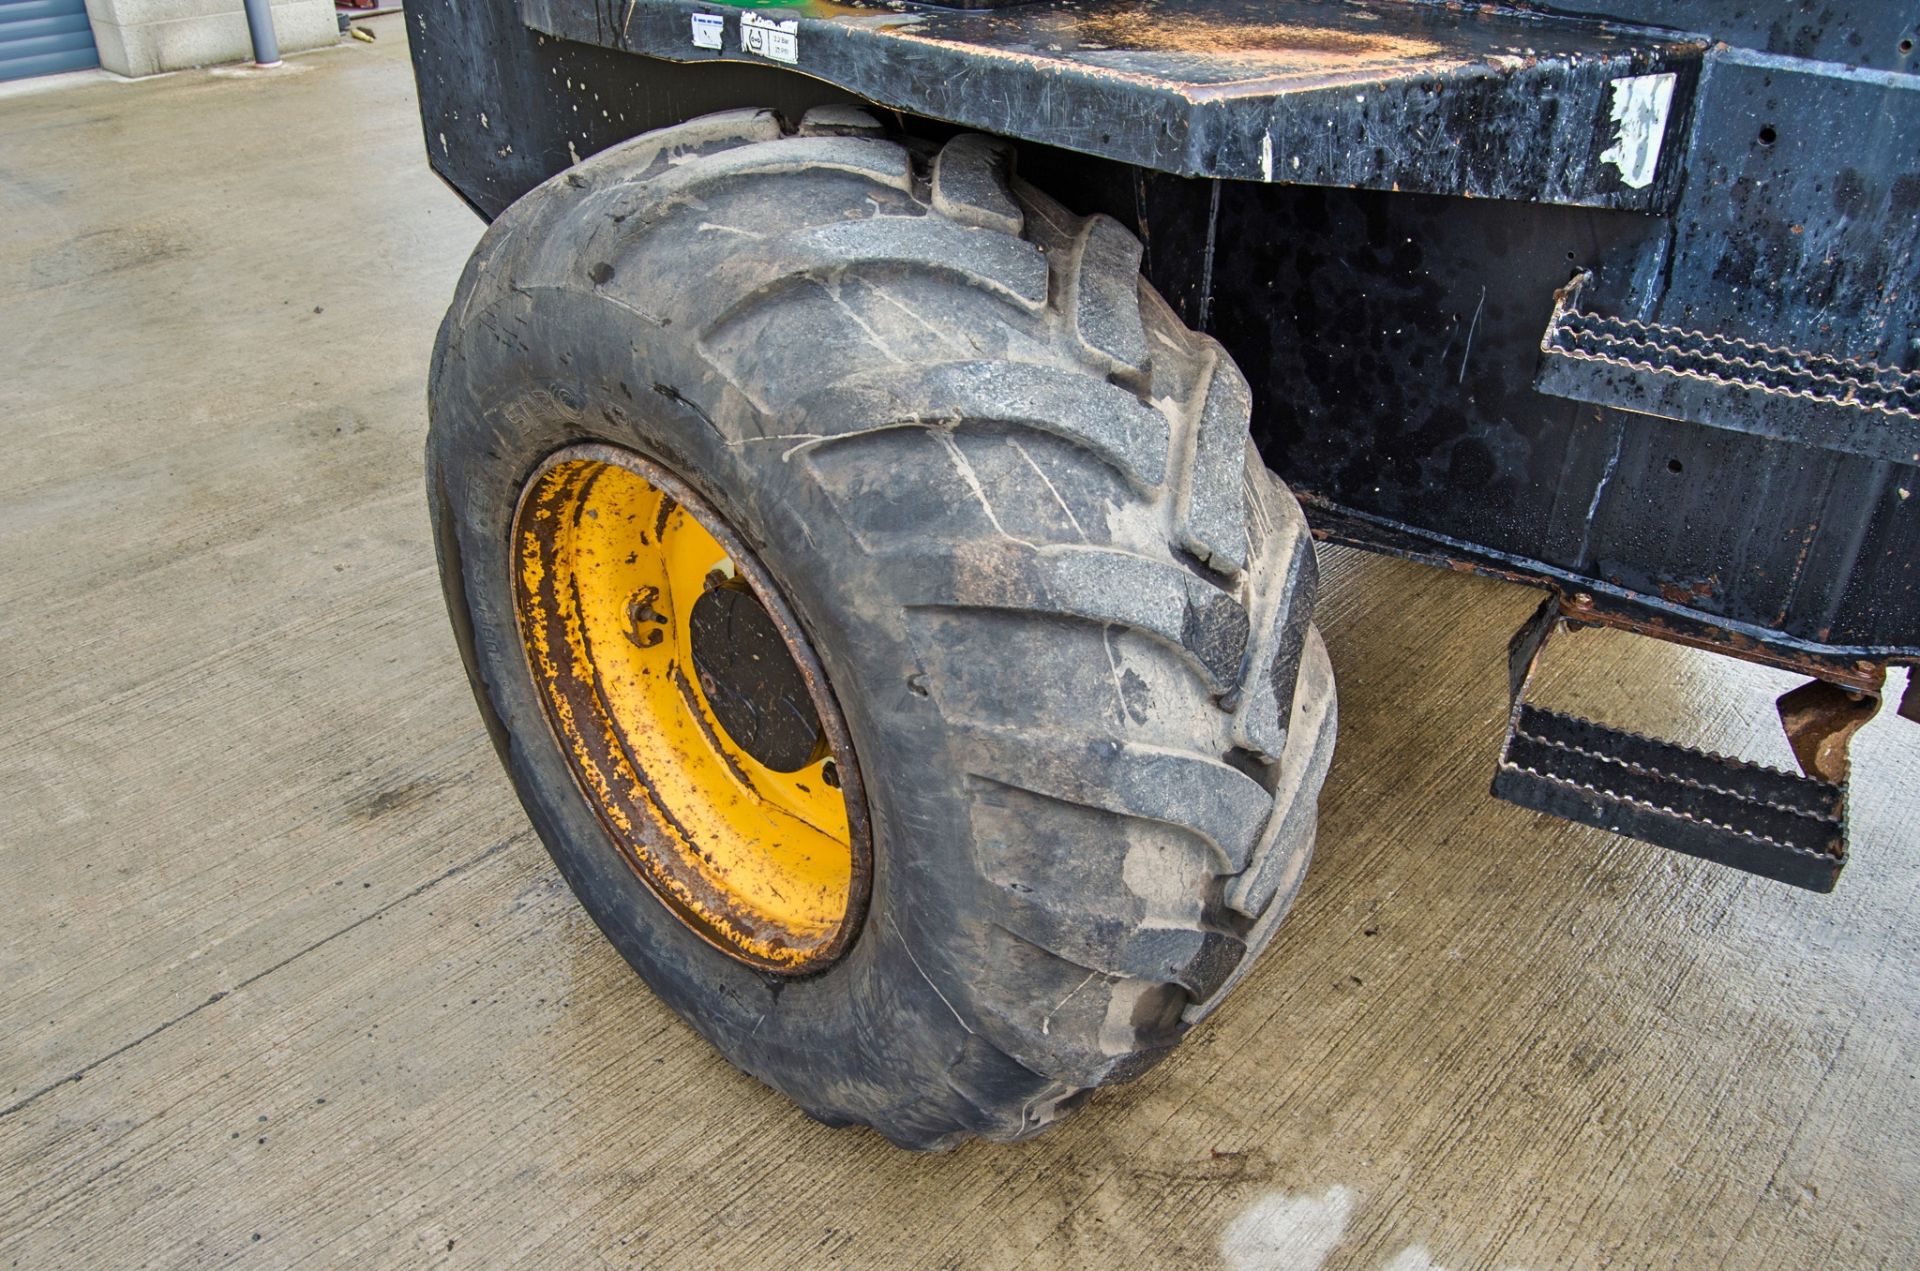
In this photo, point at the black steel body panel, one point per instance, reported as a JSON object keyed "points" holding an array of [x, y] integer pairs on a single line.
{"points": [[1878, 34], [1391, 327], [503, 108], [1393, 341], [1386, 96], [1798, 216]]}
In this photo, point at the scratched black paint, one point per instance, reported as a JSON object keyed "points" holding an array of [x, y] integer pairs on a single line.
{"points": [[1390, 327], [503, 108], [1390, 96]]}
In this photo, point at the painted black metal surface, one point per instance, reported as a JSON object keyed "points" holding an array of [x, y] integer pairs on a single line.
{"points": [[503, 108], [1393, 338], [1385, 96], [1610, 605], [1393, 342], [1800, 217], [1878, 33]]}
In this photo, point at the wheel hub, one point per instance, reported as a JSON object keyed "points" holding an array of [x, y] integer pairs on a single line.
{"points": [[749, 678]]}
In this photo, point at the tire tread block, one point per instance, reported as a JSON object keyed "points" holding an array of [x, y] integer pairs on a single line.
{"points": [[1110, 422], [969, 184], [1103, 295]]}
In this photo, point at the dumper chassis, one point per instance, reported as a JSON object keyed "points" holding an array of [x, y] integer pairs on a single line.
{"points": [[877, 448]]}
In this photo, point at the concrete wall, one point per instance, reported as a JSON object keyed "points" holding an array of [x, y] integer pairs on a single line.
{"points": [[145, 37]]}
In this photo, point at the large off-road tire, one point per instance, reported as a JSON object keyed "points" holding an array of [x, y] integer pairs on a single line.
{"points": [[1012, 503]]}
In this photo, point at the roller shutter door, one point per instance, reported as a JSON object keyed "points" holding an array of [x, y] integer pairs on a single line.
{"points": [[39, 37]]}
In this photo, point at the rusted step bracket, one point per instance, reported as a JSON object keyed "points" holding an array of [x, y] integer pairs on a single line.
{"points": [[1779, 825], [1831, 403]]}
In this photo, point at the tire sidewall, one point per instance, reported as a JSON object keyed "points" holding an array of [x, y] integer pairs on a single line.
{"points": [[849, 1042]]}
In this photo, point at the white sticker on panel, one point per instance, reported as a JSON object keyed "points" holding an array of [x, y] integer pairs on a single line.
{"points": [[707, 30], [770, 38], [1640, 105]]}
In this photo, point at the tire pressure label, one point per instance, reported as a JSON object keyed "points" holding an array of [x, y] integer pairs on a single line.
{"points": [[707, 30], [770, 38]]}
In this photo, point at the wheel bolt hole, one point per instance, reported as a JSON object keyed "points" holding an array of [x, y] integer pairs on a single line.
{"points": [[1674, 465], [1767, 135]]}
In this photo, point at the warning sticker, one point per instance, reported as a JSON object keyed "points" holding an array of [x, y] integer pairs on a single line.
{"points": [[1640, 106], [707, 30], [770, 38]]}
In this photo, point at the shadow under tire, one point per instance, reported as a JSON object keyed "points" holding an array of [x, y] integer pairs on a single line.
{"points": [[1010, 500]]}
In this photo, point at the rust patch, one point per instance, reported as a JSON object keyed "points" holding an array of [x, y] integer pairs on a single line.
{"points": [[1820, 720], [1678, 593], [1863, 677], [1146, 30]]}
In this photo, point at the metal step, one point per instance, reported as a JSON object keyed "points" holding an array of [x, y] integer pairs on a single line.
{"points": [[1779, 825], [1776, 824], [1809, 398]]}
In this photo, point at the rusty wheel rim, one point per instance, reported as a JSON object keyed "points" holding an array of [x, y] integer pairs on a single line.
{"points": [[654, 637]]}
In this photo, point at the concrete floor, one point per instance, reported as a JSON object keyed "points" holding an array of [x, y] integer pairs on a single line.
{"points": [[288, 979]]}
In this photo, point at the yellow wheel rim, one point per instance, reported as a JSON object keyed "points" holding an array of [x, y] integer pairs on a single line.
{"points": [[759, 845]]}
